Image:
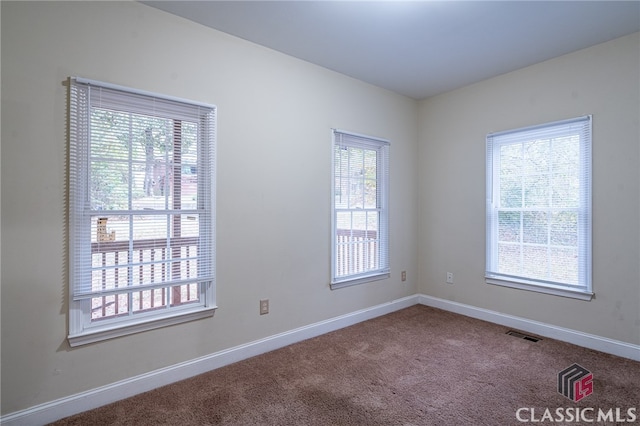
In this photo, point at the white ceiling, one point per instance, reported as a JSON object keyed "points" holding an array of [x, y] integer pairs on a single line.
{"points": [[417, 48]]}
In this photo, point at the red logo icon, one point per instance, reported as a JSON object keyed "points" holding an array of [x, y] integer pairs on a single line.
{"points": [[575, 382]]}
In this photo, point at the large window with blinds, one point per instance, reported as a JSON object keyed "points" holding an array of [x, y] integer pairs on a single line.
{"points": [[539, 208], [141, 210], [360, 219]]}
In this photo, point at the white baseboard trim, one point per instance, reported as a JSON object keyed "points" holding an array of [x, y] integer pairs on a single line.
{"points": [[591, 341], [68, 406], [74, 404]]}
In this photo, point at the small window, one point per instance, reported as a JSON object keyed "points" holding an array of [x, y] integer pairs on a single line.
{"points": [[539, 208], [141, 220], [360, 249]]}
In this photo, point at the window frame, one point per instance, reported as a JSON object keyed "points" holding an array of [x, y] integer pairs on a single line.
{"points": [[579, 125], [382, 147], [135, 102]]}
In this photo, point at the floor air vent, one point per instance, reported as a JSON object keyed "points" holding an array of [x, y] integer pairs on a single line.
{"points": [[522, 336]]}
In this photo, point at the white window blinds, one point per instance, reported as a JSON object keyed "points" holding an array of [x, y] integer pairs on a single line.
{"points": [[360, 249], [539, 206], [141, 202]]}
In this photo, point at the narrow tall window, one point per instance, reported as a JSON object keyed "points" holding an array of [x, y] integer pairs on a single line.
{"points": [[360, 248], [141, 211], [539, 208]]}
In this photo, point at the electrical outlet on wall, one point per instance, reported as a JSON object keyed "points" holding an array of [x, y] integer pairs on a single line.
{"points": [[449, 277], [264, 306]]}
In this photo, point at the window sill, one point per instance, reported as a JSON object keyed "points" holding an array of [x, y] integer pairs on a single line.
{"points": [[541, 288], [111, 331], [348, 282]]}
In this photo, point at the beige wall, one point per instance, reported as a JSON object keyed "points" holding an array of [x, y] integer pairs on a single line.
{"points": [[274, 169], [603, 80]]}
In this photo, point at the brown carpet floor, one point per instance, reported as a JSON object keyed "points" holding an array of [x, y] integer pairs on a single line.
{"points": [[417, 366]]}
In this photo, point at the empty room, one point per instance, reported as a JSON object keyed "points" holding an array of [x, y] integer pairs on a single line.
{"points": [[320, 212]]}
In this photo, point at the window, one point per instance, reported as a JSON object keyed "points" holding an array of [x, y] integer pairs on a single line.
{"points": [[539, 208], [360, 249], [141, 211]]}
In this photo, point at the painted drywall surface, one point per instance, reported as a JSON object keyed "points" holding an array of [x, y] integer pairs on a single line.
{"points": [[273, 211], [603, 80]]}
